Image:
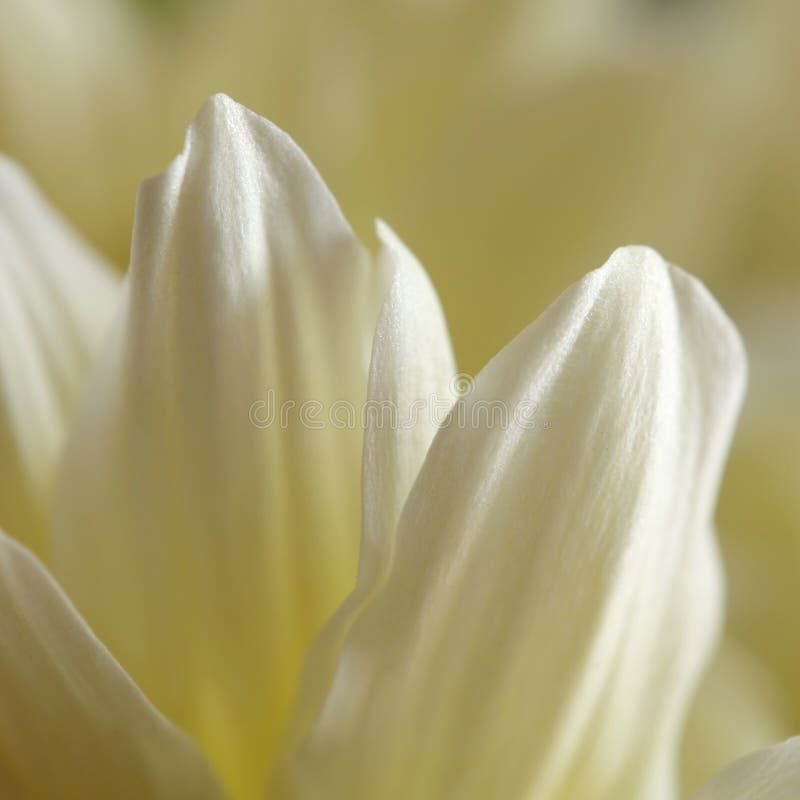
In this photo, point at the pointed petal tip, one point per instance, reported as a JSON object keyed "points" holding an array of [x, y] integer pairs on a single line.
{"points": [[399, 263], [643, 272], [218, 111], [383, 230], [222, 115], [635, 268], [390, 242], [215, 112], [214, 117], [219, 102], [221, 125]]}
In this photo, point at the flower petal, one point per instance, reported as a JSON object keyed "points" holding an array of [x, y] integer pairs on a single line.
{"points": [[411, 375], [55, 297], [72, 723], [554, 587], [205, 535], [410, 392], [771, 774]]}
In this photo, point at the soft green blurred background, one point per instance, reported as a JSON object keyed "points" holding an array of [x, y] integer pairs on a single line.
{"points": [[513, 144]]}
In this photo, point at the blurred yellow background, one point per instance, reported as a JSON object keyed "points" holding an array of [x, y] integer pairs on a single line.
{"points": [[512, 144]]}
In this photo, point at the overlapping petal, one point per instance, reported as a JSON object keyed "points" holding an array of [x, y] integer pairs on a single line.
{"points": [[208, 516], [55, 298], [553, 588], [411, 389], [72, 724], [770, 774]]}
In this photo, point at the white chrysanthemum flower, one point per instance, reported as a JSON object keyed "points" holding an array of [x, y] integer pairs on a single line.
{"points": [[478, 608]]}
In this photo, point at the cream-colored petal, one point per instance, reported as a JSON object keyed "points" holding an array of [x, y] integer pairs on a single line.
{"points": [[73, 725], [411, 389], [55, 298], [554, 588], [412, 386], [80, 83], [771, 774], [208, 516]]}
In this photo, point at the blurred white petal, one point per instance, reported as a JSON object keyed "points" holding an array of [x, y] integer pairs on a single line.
{"points": [[554, 589], [55, 298], [771, 774], [205, 541], [79, 89], [72, 724]]}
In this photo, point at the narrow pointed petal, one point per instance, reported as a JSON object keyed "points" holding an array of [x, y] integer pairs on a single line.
{"points": [[72, 724], [55, 298], [209, 512], [554, 587], [771, 774], [411, 389]]}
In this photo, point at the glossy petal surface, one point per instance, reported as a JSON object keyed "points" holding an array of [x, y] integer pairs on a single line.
{"points": [[554, 587], [209, 513]]}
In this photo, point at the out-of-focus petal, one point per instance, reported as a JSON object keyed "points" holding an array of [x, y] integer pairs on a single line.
{"points": [[72, 724], [55, 298], [554, 586], [209, 512], [771, 774], [80, 85], [739, 708]]}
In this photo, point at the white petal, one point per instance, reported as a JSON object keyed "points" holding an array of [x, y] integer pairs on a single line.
{"points": [[411, 390], [771, 774], [412, 375], [554, 587], [205, 542], [72, 723], [55, 297]]}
